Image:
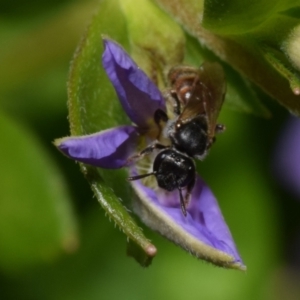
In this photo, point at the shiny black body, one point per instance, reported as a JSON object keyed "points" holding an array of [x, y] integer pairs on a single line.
{"points": [[190, 137], [173, 170]]}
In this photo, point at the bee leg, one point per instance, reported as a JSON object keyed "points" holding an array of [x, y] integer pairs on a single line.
{"points": [[189, 190], [149, 149], [220, 128], [182, 202], [160, 116], [176, 102], [210, 142]]}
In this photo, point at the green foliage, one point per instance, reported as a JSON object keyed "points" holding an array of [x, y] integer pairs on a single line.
{"points": [[147, 27], [36, 219], [237, 17], [40, 189]]}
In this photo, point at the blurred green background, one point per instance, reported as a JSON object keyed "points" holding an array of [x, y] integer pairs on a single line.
{"points": [[55, 241]]}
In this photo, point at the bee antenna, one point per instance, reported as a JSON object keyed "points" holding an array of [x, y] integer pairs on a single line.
{"points": [[132, 178]]}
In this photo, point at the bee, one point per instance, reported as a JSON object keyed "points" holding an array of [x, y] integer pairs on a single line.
{"points": [[197, 95]]}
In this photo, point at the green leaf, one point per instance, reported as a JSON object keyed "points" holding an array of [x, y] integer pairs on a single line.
{"points": [[236, 17], [291, 47], [282, 65], [137, 253], [36, 218], [292, 12], [157, 42], [93, 106]]}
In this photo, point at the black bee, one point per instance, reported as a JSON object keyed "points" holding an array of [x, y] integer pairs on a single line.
{"points": [[197, 95]]}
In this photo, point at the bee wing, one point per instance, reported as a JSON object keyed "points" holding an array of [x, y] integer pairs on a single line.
{"points": [[207, 95]]}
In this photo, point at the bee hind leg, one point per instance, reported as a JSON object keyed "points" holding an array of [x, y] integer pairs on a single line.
{"points": [[184, 201], [160, 116], [149, 149], [189, 190]]}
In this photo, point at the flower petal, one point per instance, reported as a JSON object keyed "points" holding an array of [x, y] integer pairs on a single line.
{"points": [[203, 232], [106, 149], [287, 157], [138, 95]]}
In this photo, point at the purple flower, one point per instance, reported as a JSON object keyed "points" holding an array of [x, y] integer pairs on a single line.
{"points": [[203, 232], [287, 157]]}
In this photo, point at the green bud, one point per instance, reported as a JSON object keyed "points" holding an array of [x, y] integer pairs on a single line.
{"points": [[157, 41]]}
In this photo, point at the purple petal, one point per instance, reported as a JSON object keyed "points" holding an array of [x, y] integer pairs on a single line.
{"points": [[106, 149], [287, 157], [138, 95], [203, 232]]}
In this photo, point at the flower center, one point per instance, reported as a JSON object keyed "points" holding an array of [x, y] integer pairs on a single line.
{"points": [[156, 132]]}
